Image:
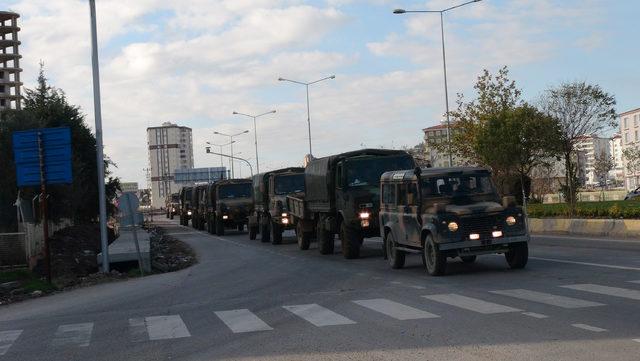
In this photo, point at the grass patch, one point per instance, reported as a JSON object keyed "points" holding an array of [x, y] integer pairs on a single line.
{"points": [[629, 209], [28, 280]]}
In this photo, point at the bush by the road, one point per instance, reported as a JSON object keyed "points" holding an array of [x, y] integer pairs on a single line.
{"points": [[609, 209]]}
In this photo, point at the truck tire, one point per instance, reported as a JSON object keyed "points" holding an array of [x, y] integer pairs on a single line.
{"points": [[241, 227], [265, 232], [351, 239], [304, 238], [395, 257], [325, 238], [276, 233], [468, 259], [212, 218], [518, 255], [219, 226], [253, 231], [434, 260], [171, 216]]}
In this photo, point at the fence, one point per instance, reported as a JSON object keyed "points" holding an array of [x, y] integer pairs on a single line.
{"points": [[13, 249], [24, 247]]}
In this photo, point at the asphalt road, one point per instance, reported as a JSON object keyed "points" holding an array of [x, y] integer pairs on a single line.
{"points": [[576, 300]]}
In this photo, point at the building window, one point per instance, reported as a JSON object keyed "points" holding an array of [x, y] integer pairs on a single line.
{"points": [[626, 137], [2, 102], [625, 123], [1, 88], [635, 120], [636, 135]]}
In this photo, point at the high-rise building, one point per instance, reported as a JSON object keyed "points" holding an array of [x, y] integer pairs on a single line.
{"points": [[433, 136], [630, 132], [592, 146], [615, 149], [9, 61], [170, 148]]}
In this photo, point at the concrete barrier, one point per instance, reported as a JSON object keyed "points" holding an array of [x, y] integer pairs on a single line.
{"points": [[123, 249], [614, 228]]}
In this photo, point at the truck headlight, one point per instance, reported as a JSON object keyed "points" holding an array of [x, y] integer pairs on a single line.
{"points": [[284, 215], [285, 220], [188, 213], [453, 226], [364, 215], [225, 217], [511, 220]]}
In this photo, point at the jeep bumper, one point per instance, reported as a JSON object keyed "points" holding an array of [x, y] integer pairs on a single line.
{"points": [[479, 245]]}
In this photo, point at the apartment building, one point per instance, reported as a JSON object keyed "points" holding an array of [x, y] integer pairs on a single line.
{"points": [[630, 133]]}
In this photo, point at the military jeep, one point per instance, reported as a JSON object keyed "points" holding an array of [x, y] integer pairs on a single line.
{"points": [[446, 213]]}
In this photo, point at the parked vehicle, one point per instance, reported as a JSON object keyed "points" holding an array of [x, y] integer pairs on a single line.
{"points": [[230, 204], [198, 195], [172, 205], [446, 213], [633, 194], [185, 205], [342, 196], [271, 213]]}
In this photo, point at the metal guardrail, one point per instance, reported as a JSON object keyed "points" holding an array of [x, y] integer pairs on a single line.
{"points": [[13, 249]]}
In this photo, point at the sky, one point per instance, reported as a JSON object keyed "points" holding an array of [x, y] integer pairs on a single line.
{"points": [[195, 62]]}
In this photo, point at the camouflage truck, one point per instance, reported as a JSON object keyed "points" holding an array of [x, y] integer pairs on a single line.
{"points": [[342, 195], [271, 213], [230, 202], [445, 213], [198, 206], [172, 205], [185, 205]]}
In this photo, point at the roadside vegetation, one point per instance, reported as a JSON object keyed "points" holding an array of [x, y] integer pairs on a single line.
{"points": [[607, 209]]}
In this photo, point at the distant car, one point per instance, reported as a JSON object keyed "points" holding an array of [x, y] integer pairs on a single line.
{"points": [[633, 194]]}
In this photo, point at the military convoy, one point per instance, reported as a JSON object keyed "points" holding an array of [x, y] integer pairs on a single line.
{"points": [[271, 212], [342, 196], [443, 213], [439, 213]]}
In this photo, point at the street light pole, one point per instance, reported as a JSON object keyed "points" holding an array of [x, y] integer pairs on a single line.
{"points": [[306, 84], [232, 157], [255, 132], [231, 141], [220, 145], [444, 63]]}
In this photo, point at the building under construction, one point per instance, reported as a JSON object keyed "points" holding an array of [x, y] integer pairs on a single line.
{"points": [[9, 61]]}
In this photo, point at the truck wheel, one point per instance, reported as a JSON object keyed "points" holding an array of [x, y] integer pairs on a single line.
{"points": [[253, 231], [265, 232], [395, 257], [468, 259], [171, 216], [325, 238], [518, 255], [350, 238], [276, 233], [219, 226], [304, 238], [434, 260], [240, 227]]}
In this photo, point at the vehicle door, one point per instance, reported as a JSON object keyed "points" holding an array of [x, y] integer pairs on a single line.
{"points": [[342, 196], [409, 212], [389, 210]]}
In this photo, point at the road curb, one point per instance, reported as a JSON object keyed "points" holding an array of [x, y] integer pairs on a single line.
{"points": [[621, 228]]}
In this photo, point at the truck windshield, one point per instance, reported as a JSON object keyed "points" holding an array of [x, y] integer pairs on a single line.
{"points": [[457, 186], [175, 198], [235, 191], [367, 171], [285, 184]]}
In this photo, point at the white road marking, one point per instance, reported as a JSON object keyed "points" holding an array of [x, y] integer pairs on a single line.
{"points": [[535, 315], [547, 298], [606, 290], [587, 263], [471, 304], [395, 309], [318, 315], [588, 328], [638, 281], [138, 330], [242, 320], [7, 338], [636, 340], [396, 282], [418, 287], [166, 327], [77, 334]]}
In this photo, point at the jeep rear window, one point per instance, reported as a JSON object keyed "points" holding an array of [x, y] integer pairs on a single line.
{"points": [[458, 186], [285, 184], [234, 191]]}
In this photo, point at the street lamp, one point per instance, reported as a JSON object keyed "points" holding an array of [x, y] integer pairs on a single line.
{"points": [[444, 61], [307, 86], [208, 150], [221, 145], [231, 136], [255, 132]]}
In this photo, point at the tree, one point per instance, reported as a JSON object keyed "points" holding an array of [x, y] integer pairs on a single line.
{"points": [[46, 106], [580, 109], [632, 157], [602, 165]]}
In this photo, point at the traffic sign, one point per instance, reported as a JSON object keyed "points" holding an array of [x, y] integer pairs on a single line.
{"points": [[54, 144]]}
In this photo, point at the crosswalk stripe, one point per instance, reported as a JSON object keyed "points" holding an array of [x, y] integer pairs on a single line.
{"points": [[395, 309], [138, 330], [242, 320], [166, 327], [636, 340], [7, 338], [535, 315], [547, 298], [77, 334], [606, 290], [471, 304], [318, 315], [588, 328]]}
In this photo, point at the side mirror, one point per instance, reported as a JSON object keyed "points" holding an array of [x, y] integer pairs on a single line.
{"points": [[509, 201], [208, 149]]}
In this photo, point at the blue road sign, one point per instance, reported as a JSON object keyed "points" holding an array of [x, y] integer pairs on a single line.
{"points": [[56, 143]]}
